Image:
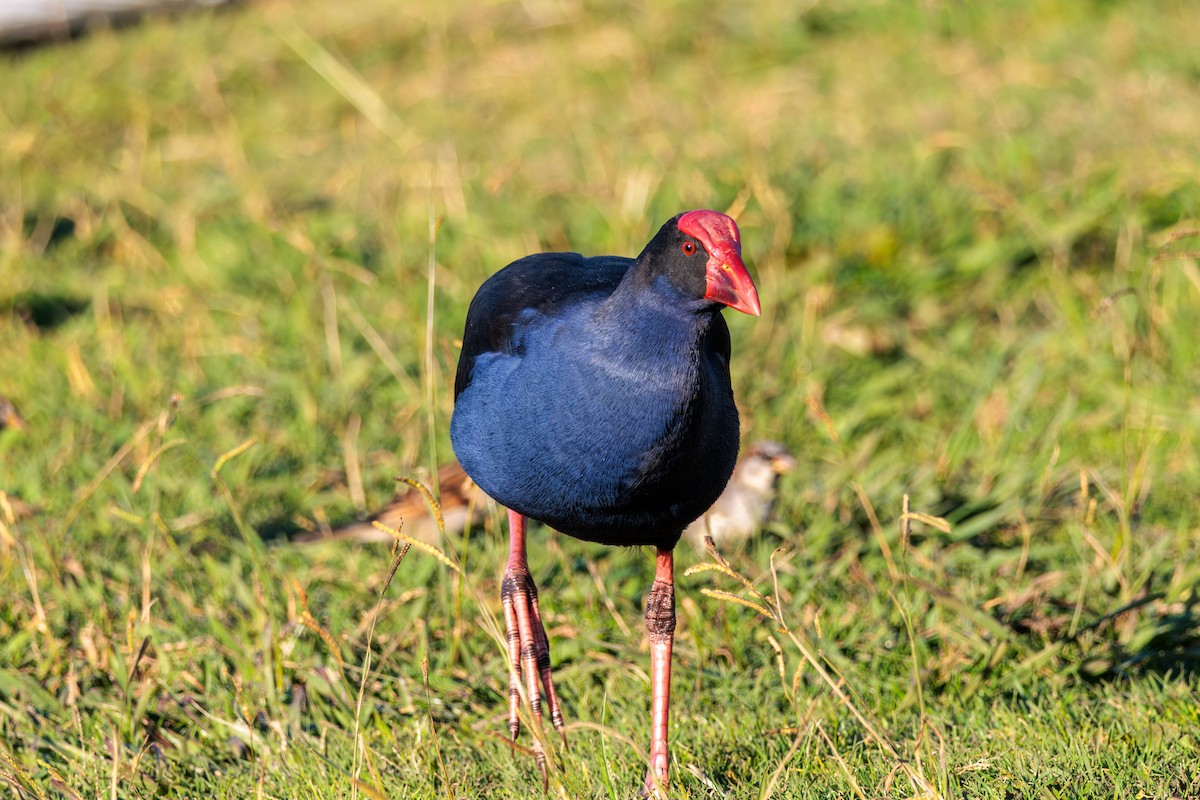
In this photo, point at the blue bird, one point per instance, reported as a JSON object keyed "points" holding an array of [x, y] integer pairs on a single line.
{"points": [[593, 395]]}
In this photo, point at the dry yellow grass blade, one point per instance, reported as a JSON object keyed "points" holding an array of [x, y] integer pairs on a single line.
{"points": [[709, 566], [144, 469], [741, 601], [81, 500], [348, 83], [362, 751], [430, 500], [310, 622], [229, 455], [723, 566], [13, 774], [57, 780], [10, 516], [428, 548], [367, 789], [930, 520], [7, 517]]}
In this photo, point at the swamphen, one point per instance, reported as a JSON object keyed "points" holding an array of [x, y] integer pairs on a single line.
{"points": [[593, 395]]}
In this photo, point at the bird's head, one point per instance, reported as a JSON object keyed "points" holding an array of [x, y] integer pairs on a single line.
{"points": [[762, 464], [700, 253]]}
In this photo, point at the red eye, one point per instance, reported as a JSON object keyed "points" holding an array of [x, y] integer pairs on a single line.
{"points": [[689, 249]]}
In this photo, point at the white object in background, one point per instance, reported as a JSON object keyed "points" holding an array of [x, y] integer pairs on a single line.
{"points": [[32, 20]]}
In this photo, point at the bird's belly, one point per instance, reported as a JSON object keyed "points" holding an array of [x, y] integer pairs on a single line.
{"points": [[626, 465]]}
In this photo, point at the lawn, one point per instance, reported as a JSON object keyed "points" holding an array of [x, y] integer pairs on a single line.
{"points": [[236, 251]]}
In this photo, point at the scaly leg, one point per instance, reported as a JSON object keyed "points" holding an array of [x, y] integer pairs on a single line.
{"points": [[660, 622], [528, 647]]}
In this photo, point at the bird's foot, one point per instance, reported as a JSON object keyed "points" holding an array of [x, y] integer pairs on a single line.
{"points": [[529, 657], [655, 787]]}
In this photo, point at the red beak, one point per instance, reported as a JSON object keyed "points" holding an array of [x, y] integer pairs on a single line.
{"points": [[729, 282]]}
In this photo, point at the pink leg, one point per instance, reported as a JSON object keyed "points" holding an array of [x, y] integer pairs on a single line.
{"points": [[528, 647], [660, 622]]}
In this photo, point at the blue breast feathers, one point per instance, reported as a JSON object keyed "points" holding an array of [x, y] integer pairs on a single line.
{"points": [[610, 419]]}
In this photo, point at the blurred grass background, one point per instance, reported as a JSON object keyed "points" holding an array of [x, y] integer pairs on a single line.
{"points": [[235, 255]]}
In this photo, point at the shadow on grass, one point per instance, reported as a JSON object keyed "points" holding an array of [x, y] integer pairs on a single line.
{"points": [[1146, 636], [44, 311], [1163, 639]]}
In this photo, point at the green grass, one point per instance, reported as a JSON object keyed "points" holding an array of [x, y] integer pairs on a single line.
{"points": [[970, 230]]}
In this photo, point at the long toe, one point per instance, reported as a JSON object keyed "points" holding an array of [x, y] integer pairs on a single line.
{"points": [[513, 636], [529, 660], [542, 655]]}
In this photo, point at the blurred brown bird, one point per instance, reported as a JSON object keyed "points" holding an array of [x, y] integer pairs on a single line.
{"points": [[9, 416], [461, 501], [737, 515], [744, 506]]}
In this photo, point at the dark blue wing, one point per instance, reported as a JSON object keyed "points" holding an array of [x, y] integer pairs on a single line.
{"points": [[541, 283]]}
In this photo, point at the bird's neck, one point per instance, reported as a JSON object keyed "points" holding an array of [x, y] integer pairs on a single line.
{"points": [[646, 310]]}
